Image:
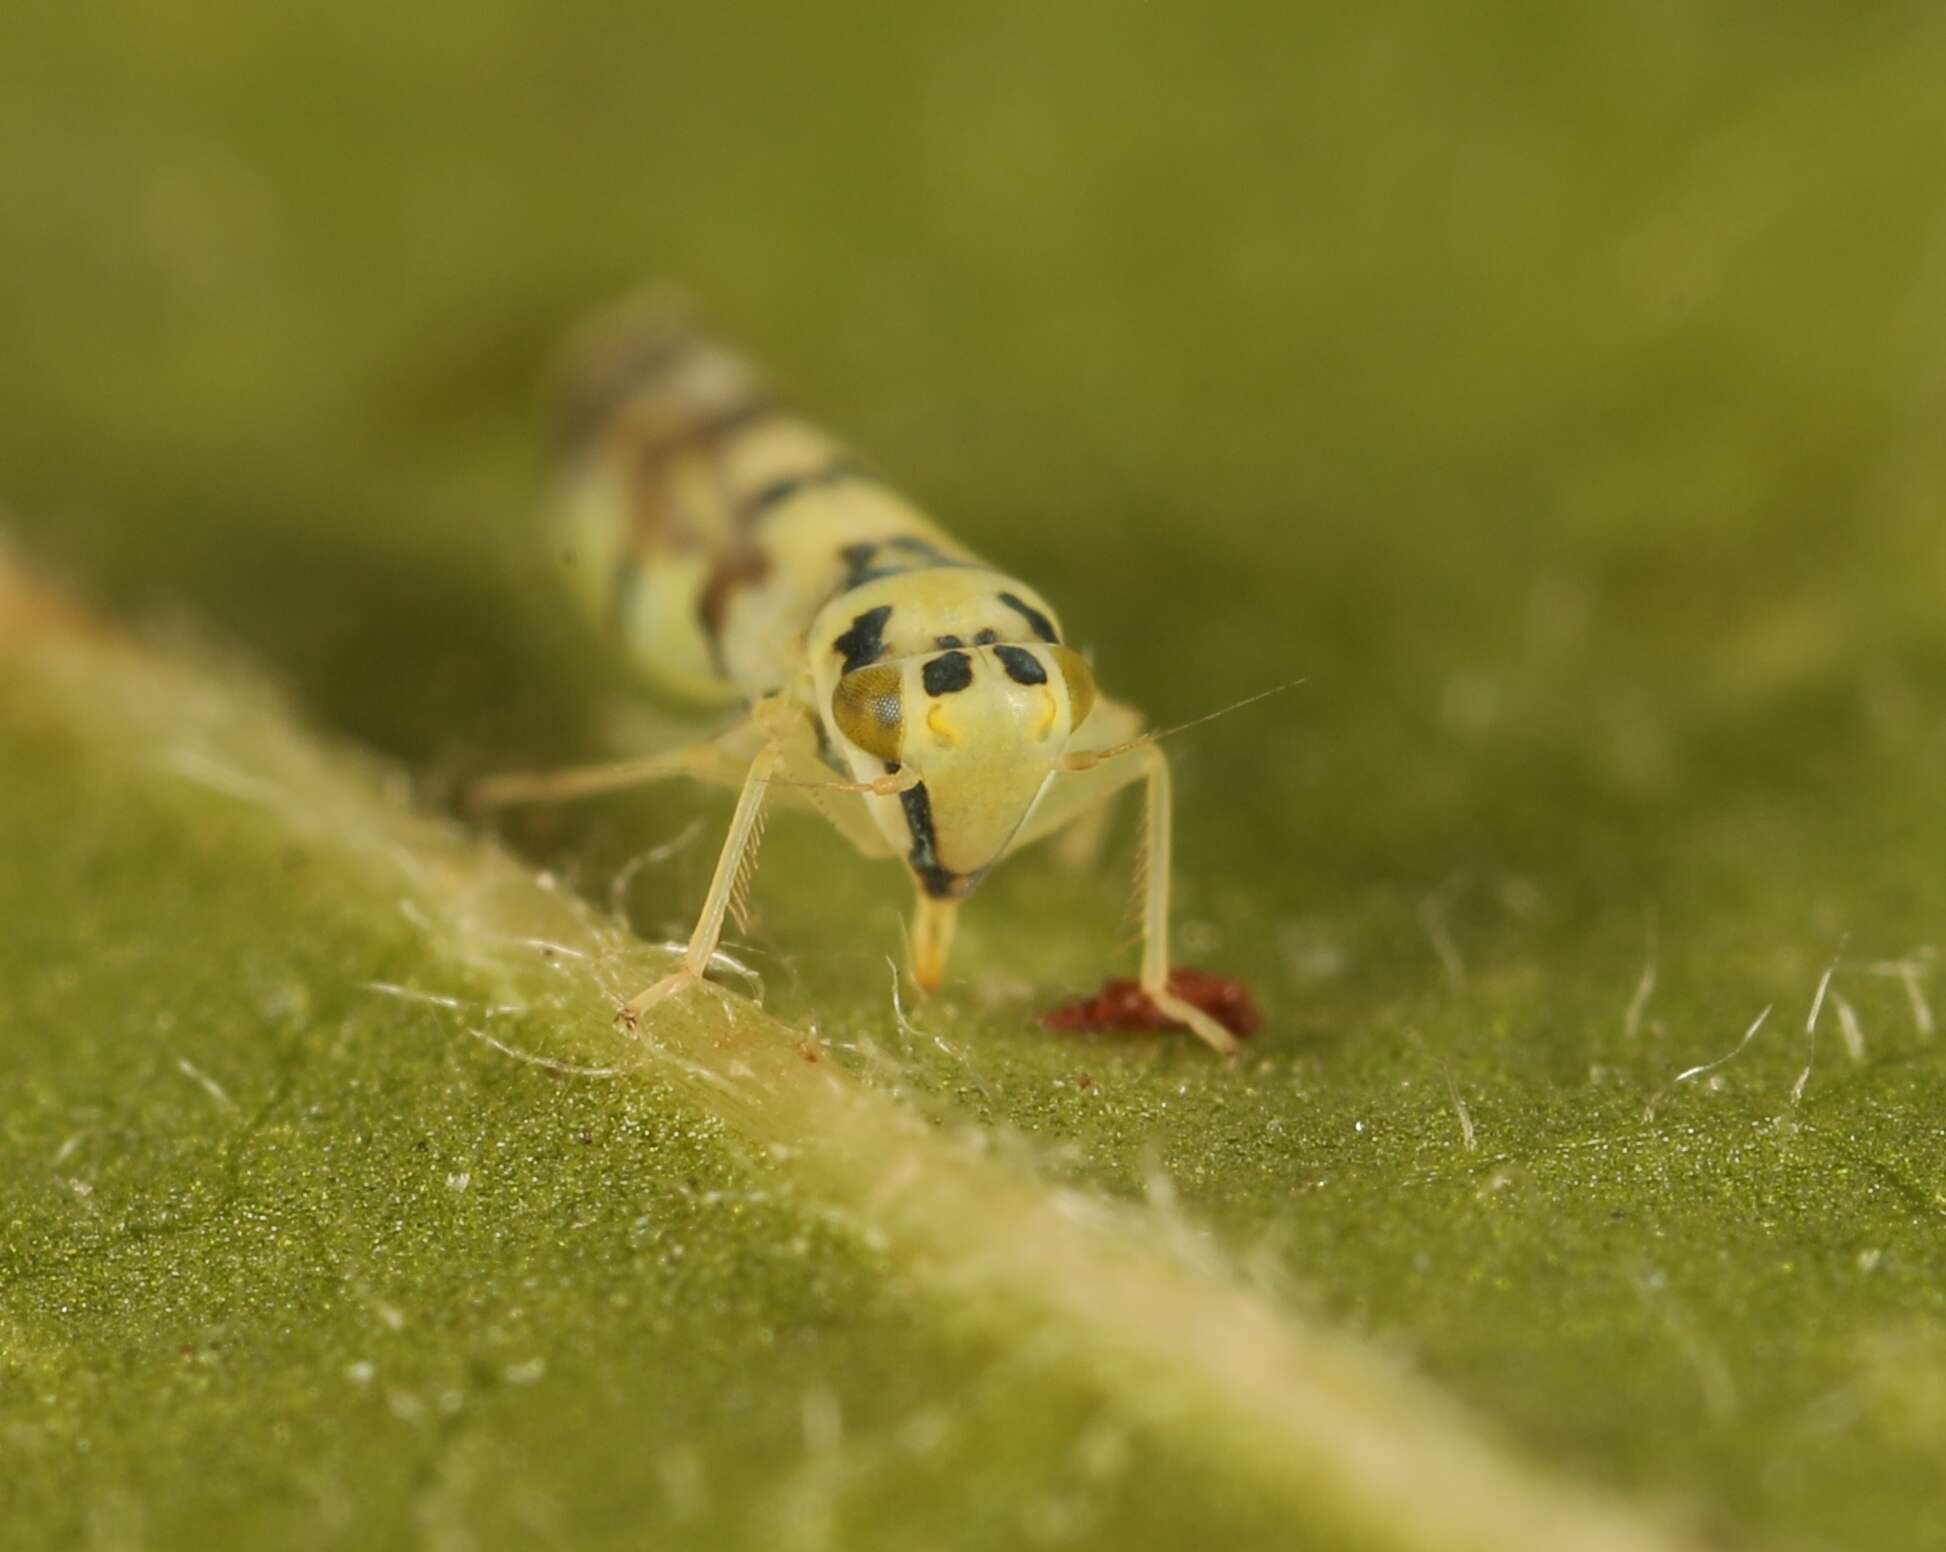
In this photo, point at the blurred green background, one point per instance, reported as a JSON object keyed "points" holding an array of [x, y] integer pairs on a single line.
{"points": [[1559, 390]]}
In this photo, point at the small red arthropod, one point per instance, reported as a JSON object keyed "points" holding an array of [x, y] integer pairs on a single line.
{"points": [[1124, 1005]]}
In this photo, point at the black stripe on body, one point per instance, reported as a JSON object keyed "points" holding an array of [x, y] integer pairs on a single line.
{"points": [[941, 883], [1036, 621], [1021, 665], [777, 492], [826, 754], [864, 644], [858, 566], [868, 560]]}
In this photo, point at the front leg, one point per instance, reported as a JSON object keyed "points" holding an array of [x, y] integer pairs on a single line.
{"points": [[733, 869], [1155, 907]]}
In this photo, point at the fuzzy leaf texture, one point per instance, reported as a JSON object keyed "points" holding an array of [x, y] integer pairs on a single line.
{"points": [[1556, 393]]}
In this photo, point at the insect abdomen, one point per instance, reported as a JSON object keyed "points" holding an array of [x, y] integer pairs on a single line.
{"points": [[703, 524]]}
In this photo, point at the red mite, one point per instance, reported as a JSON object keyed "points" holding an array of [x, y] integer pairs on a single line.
{"points": [[1123, 1005]]}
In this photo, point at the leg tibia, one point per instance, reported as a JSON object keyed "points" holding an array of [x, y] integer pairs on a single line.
{"points": [[1155, 909], [745, 827]]}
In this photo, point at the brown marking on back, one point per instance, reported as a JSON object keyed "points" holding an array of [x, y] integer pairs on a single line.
{"points": [[658, 520], [643, 389], [738, 568], [604, 373]]}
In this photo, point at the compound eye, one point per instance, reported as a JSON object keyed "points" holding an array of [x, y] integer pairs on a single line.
{"points": [[870, 712], [1079, 679]]}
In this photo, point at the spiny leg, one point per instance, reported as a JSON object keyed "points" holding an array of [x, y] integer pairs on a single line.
{"points": [[1155, 909], [732, 865]]}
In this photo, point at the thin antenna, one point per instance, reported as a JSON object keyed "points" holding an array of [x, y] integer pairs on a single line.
{"points": [[1088, 758], [1224, 711]]}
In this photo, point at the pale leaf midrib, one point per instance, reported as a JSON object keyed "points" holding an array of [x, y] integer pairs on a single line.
{"points": [[1320, 1421]]}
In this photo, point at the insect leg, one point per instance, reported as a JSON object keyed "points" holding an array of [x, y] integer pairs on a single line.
{"points": [[737, 857], [701, 761], [1155, 909]]}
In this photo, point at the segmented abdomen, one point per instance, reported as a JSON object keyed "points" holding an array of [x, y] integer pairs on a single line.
{"points": [[702, 522]]}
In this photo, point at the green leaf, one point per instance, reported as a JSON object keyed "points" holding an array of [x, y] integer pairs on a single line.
{"points": [[1557, 393], [277, 1180]]}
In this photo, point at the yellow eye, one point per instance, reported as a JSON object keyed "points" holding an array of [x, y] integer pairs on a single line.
{"points": [[869, 712], [1080, 680]]}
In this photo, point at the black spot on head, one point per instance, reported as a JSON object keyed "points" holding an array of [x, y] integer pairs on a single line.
{"points": [[986, 638], [947, 641], [1021, 665], [864, 644], [1036, 621], [944, 675]]}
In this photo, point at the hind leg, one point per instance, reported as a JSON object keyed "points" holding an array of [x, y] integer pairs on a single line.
{"points": [[708, 762]]}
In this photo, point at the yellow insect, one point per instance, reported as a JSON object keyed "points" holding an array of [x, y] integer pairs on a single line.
{"points": [[923, 702]]}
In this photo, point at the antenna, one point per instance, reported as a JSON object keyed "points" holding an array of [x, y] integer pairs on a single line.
{"points": [[1089, 758]]}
